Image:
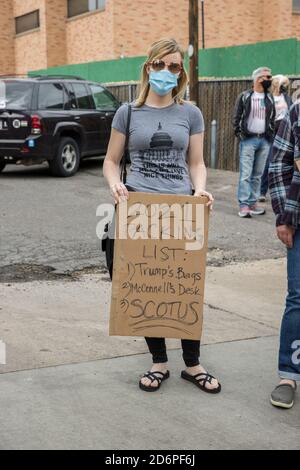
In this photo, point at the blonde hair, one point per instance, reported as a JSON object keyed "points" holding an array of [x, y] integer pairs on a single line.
{"points": [[277, 81], [158, 50]]}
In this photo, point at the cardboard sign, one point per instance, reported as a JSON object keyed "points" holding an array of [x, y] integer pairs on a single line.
{"points": [[298, 164], [159, 266]]}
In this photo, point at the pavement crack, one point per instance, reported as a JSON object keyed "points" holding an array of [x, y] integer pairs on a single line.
{"points": [[28, 272], [214, 307]]}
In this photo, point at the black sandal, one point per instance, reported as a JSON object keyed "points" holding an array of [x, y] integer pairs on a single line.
{"points": [[153, 377], [201, 382]]}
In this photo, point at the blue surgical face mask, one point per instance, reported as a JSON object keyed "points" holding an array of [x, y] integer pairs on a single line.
{"points": [[163, 82]]}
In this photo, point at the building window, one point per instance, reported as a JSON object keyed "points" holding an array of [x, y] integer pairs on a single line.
{"points": [[27, 22], [296, 6], [77, 7]]}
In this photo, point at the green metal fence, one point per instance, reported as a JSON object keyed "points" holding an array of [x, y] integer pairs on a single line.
{"points": [[282, 56]]}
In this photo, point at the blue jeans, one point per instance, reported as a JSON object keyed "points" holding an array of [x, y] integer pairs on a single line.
{"points": [[265, 177], [289, 352], [253, 155]]}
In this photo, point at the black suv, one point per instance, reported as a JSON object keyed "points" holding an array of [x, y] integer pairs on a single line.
{"points": [[59, 119]]}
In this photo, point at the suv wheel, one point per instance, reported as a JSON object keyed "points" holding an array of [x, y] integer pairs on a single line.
{"points": [[66, 161], [2, 166]]}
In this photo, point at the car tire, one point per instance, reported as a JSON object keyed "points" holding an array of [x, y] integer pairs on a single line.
{"points": [[67, 158], [2, 166]]}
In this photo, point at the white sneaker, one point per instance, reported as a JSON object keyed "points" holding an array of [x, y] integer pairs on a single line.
{"points": [[255, 210], [245, 212]]}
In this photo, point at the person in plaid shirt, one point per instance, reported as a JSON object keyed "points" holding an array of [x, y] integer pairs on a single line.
{"points": [[284, 182]]}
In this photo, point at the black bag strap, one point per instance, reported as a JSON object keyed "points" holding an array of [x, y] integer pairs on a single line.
{"points": [[123, 161]]}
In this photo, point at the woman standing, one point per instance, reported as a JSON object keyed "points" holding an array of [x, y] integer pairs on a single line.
{"points": [[166, 152], [283, 102]]}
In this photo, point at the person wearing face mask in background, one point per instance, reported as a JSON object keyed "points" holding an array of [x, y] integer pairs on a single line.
{"points": [[283, 102], [166, 153], [253, 123]]}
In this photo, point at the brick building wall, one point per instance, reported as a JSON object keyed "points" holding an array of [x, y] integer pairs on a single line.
{"points": [[128, 27], [30, 47], [232, 22], [7, 56], [296, 25], [90, 36], [137, 26], [55, 19], [227, 23], [278, 22]]}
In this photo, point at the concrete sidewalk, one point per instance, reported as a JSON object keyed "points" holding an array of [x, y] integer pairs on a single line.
{"points": [[80, 387], [47, 323], [97, 405]]}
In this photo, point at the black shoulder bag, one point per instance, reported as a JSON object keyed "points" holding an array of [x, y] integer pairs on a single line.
{"points": [[107, 243]]}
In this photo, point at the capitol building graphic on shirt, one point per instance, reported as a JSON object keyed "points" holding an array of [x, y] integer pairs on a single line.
{"points": [[161, 139], [161, 157]]}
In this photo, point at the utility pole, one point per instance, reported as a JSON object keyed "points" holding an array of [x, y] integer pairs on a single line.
{"points": [[203, 24], [193, 49]]}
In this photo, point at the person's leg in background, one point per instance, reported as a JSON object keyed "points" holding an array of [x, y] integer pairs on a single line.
{"points": [[265, 177], [264, 186], [260, 159], [289, 351], [247, 155]]}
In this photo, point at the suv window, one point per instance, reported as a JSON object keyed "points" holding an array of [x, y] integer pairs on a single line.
{"points": [[82, 95], [15, 95], [103, 100], [51, 96]]}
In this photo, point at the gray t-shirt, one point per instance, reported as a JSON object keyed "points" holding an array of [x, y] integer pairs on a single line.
{"points": [[158, 146]]}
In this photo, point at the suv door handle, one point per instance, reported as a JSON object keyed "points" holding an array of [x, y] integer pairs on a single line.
{"points": [[77, 118]]}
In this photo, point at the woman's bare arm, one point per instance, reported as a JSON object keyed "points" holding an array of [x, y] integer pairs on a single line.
{"points": [[111, 165], [197, 167]]}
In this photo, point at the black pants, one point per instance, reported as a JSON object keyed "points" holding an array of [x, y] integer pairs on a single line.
{"points": [[190, 351]]}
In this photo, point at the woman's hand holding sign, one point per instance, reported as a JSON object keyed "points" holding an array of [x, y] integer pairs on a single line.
{"points": [[119, 192], [201, 192]]}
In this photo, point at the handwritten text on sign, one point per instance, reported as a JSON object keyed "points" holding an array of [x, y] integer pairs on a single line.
{"points": [[158, 283]]}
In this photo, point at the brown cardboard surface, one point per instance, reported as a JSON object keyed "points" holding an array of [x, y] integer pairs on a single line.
{"points": [[298, 164], [158, 284]]}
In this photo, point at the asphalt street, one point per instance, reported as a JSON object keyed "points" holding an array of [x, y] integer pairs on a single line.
{"points": [[48, 225]]}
